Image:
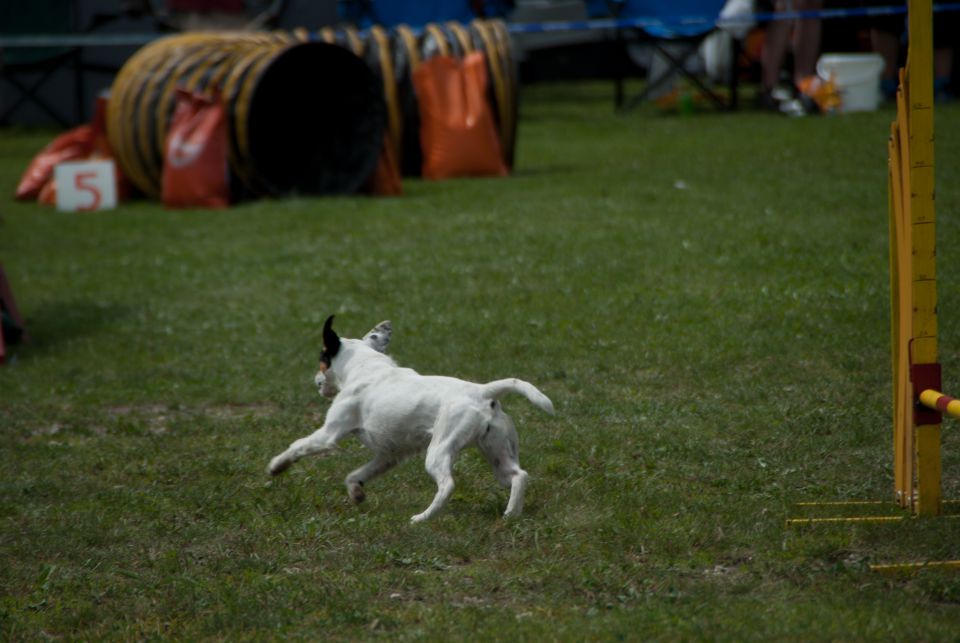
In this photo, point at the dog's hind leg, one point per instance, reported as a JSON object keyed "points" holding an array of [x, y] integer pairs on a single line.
{"points": [[518, 486], [443, 450], [440, 468], [373, 469], [500, 446]]}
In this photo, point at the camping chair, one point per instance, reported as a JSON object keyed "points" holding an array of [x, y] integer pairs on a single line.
{"points": [[684, 25]]}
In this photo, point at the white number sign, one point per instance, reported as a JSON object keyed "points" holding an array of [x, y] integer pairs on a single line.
{"points": [[84, 186]]}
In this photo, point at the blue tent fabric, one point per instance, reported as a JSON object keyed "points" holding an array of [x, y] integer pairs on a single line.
{"points": [[417, 13]]}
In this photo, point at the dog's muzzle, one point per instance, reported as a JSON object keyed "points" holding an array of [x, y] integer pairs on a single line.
{"points": [[326, 387]]}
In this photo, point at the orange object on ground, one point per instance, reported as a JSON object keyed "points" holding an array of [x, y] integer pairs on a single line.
{"points": [[823, 92], [72, 145], [48, 193], [457, 130], [78, 144], [195, 164]]}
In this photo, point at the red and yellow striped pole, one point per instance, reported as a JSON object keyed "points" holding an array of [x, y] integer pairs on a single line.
{"points": [[939, 402]]}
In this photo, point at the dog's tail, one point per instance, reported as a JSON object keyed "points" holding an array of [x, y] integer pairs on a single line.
{"points": [[497, 389]]}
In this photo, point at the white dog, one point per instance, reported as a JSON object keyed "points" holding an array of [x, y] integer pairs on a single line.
{"points": [[397, 412]]}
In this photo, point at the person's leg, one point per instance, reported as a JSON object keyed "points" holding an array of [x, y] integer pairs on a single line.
{"points": [[806, 41], [775, 48], [945, 26], [885, 35]]}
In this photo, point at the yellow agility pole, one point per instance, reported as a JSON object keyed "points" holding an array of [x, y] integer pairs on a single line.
{"points": [[913, 276]]}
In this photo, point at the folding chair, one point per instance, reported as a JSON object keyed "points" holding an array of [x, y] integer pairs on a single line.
{"points": [[192, 15], [34, 73], [682, 26], [29, 70]]}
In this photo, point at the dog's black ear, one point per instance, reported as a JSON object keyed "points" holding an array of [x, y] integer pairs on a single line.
{"points": [[331, 341]]}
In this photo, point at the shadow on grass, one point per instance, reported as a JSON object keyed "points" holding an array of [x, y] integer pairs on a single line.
{"points": [[54, 324], [546, 170]]}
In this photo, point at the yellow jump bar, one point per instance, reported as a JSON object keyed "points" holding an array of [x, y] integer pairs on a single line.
{"points": [[939, 402], [906, 568], [793, 522]]}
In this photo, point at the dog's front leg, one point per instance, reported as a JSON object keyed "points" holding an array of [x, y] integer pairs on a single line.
{"points": [[339, 423]]}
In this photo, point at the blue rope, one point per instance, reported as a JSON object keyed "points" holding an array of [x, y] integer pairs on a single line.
{"points": [[710, 21], [666, 23]]}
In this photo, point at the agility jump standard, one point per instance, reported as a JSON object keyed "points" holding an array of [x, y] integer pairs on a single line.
{"points": [[918, 404]]}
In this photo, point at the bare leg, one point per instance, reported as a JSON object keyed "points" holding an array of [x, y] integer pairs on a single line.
{"points": [[888, 46], [775, 49], [942, 62], [806, 41]]}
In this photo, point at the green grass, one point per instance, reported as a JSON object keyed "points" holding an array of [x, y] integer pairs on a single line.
{"points": [[704, 298]]}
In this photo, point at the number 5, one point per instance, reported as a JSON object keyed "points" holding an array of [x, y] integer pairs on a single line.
{"points": [[80, 182]]}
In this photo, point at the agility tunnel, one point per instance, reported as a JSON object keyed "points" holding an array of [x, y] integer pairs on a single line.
{"points": [[303, 117]]}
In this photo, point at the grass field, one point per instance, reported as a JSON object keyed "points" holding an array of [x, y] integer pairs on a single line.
{"points": [[704, 298]]}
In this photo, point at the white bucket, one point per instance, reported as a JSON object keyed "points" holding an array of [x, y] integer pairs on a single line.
{"points": [[857, 77]]}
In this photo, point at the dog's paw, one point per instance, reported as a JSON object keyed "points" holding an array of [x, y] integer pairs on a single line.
{"points": [[355, 491], [418, 518], [278, 465]]}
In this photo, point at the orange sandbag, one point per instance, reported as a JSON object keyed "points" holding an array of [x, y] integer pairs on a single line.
{"points": [[385, 180], [79, 144], [457, 131], [48, 193], [72, 145], [195, 169]]}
